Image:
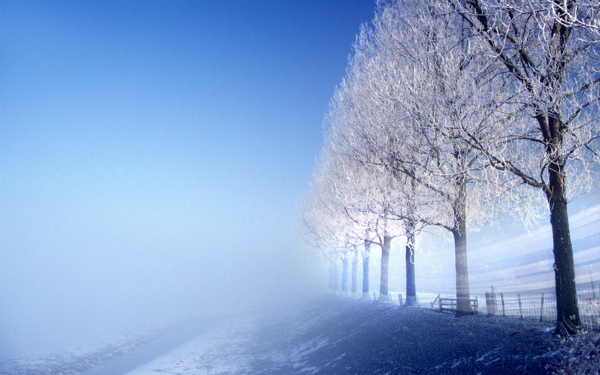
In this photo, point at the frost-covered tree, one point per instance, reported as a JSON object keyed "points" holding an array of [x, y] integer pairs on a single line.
{"points": [[366, 255], [354, 288], [332, 215], [412, 86], [323, 228], [547, 52], [345, 272], [368, 196], [353, 109]]}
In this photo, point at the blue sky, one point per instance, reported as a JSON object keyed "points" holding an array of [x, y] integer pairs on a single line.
{"points": [[145, 142]]}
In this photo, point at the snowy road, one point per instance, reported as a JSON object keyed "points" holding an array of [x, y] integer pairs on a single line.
{"points": [[146, 353], [216, 351]]}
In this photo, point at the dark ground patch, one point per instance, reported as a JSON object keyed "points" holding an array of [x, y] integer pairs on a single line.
{"points": [[342, 336]]}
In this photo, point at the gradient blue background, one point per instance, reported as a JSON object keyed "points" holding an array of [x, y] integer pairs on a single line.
{"points": [[152, 153]]}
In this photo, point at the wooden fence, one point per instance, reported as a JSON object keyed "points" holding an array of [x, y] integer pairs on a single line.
{"points": [[542, 306], [450, 304]]}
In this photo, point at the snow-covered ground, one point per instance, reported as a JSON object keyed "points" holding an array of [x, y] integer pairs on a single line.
{"points": [[221, 350], [103, 354], [336, 335], [75, 360], [339, 335]]}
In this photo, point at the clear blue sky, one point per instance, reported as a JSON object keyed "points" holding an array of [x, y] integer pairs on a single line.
{"points": [[149, 138]]}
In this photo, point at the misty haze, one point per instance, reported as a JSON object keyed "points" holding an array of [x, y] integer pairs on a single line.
{"points": [[321, 187]]}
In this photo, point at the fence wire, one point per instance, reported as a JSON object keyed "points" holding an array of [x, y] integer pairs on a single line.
{"points": [[542, 306]]}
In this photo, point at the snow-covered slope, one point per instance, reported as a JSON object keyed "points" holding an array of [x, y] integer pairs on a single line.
{"points": [[336, 335], [342, 336]]}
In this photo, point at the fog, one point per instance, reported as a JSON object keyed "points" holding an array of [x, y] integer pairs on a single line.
{"points": [[151, 158], [59, 297], [152, 155]]}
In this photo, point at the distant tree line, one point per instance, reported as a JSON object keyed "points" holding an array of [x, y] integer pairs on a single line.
{"points": [[451, 113]]}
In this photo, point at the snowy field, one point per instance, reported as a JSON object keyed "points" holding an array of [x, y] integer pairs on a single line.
{"points": [[343, 336], [107, 354], [336, 335]]}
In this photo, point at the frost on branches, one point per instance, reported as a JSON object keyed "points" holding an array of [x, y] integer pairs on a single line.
{"points": [[452, 112]]}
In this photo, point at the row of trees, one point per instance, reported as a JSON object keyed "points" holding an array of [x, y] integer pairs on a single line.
{"points": [[451, 113]]}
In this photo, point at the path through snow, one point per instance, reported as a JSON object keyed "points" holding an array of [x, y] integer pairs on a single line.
{"points": [[221, 350]]}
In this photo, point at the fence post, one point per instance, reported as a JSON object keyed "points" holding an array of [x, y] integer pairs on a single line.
{"points": [[502, 296], [593, 288], [492, 302], [520, 309], [400, 299], [542, 308], [440, 302]]}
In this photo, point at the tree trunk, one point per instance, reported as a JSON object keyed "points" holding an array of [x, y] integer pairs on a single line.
{"points": [[411, 288], [567, 309], [385, 260], [462, 274], [354, 275], [331, 277], [345, 275], [459, 232], [365, 283], [336, 276]]}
